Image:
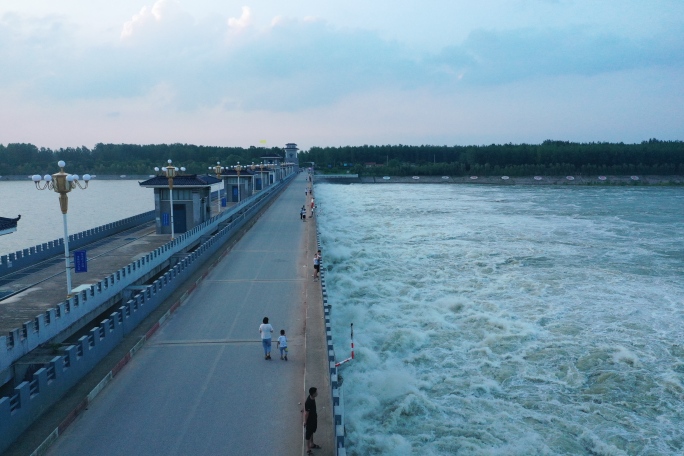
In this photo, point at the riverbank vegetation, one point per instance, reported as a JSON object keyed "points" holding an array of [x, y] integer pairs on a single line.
{"points": [[116, 159], [550, 158]]}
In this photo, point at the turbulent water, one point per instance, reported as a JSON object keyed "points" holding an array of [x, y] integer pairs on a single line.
{"points": [[508, 320]]}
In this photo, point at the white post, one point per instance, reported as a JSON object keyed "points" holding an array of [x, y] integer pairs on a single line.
{"points": [[66, 255]]}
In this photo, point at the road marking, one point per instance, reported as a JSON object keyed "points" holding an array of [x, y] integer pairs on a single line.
{"points": [[255, 280], [207, 342]]}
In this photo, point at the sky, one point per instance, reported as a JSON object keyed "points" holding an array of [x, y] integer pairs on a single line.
{"points": [[443, 72]]}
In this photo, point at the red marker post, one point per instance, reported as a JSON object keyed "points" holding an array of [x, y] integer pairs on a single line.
{"points": [[352, 349]]}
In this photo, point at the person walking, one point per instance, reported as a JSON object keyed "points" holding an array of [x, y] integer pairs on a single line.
{"points": [[302, 214], [282, 345], [310, 420], [316, 265], [265, 329]]}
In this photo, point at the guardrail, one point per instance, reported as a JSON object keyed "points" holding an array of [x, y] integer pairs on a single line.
{"points": [[49, 383], [28, 257], [51, 323], [335, 385]]}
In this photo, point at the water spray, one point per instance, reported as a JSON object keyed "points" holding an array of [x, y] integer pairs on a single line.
{"points": [[352, 349]]}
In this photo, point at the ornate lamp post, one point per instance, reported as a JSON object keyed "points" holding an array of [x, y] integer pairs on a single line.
{"points": [[238, 168], [171, 172], [62, 183], [218, 169], [253, 180], [261, 173]]}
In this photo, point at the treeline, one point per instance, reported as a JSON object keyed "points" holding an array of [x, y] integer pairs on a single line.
{"points": [[20, 159], [652, 157]]}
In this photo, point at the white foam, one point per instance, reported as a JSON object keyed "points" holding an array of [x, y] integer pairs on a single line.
{"points": [[507, 320]]}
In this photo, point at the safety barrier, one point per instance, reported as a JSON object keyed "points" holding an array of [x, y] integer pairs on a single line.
{"points": [[28, 257], [335, 385], [49, 383]]}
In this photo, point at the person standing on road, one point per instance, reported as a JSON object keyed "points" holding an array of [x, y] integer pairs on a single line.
{"points": [[302, 214], [310, 420], [265, 329], [282, 345]]}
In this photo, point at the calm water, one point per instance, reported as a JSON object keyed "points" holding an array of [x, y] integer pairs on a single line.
{"points": [[508, 320], [41, 218]]}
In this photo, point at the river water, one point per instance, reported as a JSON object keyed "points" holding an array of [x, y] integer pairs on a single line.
{"points": [[102, 202], [508, 320]]}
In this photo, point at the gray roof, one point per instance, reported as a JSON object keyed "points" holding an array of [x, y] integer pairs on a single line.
{"points": [[7, 225], [185, 180], [243, 172]]}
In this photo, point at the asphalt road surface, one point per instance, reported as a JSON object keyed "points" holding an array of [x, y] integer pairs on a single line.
{"points": [[201, 385]]}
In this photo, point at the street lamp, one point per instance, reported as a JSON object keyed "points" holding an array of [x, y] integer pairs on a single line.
{"points": [[62, 183], [171, 172], [238, 168], [261, 173], [253, 179], [218, 169]]}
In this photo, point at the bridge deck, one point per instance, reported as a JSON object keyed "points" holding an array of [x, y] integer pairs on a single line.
{"points": [[44, 285]]}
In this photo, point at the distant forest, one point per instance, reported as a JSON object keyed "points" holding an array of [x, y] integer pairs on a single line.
{"points": [[551, 158], [651, 157], [117, 159]]}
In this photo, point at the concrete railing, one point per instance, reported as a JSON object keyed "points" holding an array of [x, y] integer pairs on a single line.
{"points": [[335, 385], [56, 320], [50, 382], [28, 257]]}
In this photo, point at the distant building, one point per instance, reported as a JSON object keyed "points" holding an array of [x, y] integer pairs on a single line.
{"points": [[291, 154], [8, 225]]}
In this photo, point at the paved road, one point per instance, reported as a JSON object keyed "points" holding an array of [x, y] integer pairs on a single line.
{"points": [[201, 385]]}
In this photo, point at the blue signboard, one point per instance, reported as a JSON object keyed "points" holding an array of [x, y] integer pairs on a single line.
{"points": [[80, 261], [165, 219], [224, 203]]}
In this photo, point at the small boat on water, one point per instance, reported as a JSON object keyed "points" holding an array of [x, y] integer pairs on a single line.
{"points": [[8, 225]]}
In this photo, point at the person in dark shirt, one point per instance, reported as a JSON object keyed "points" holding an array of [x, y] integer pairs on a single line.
{"points": [[310, 420]]}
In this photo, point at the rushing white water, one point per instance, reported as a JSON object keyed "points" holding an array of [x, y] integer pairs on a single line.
{"points": [[508, 320]]}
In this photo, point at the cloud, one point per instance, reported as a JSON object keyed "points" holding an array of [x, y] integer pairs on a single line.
{"points": [[499, 57], [243, 22], [162, 10], [165, 56]]}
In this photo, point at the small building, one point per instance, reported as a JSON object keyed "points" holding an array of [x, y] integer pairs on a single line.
{"points": [[8, 225], [191, 201], [275, 167], [239, 185]]}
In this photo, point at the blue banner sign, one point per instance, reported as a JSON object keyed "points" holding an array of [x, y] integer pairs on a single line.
{"points": [[80, 261], [224, 203], [165, 219]]}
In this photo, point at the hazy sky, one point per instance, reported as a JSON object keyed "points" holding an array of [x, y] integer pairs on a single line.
{"points": [[332, 73]]}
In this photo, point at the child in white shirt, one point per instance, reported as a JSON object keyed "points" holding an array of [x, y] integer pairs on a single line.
{"points": [[282, 345]]}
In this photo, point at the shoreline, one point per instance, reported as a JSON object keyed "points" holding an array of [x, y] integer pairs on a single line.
{"points": [[608, 180]]}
